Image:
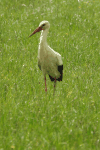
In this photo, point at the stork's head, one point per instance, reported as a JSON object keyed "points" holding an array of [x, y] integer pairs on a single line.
{"points": [[44, 25]]}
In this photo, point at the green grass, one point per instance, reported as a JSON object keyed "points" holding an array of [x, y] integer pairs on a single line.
{"points": [[29, 119]]}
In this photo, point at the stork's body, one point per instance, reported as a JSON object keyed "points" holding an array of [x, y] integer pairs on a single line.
{"points": [[49, 61]]}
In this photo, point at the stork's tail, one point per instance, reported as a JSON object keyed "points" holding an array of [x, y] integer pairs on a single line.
{"points": [[60, 69]]}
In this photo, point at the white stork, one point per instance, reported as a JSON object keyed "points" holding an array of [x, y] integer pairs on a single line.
{"points": [[49, 61]]}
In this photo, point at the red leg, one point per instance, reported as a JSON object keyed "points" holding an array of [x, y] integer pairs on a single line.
{"points": [[54, 85], [45, 85]]}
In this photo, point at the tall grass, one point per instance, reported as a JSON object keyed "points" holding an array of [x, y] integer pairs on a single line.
{"points": [[28, 118]]}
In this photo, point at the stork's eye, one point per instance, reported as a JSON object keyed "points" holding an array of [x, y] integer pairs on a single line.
{"points": [[43, 25]]}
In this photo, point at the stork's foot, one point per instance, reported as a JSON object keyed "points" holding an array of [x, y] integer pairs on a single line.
{"points": [[54, 93]]}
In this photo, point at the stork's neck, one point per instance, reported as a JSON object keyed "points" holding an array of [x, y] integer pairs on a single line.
{"points": [[43, 37]]}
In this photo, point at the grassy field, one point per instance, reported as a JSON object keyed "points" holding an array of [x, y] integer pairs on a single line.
{"points": [[30, 120]]}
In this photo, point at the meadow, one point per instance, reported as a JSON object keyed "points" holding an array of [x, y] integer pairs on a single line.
{"points": [[30, 119]]}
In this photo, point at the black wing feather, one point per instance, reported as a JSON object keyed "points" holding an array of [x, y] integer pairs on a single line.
{"points": [[60, 69]]}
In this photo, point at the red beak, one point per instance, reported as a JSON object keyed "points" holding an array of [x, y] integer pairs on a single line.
{"points": [[36, 30]]}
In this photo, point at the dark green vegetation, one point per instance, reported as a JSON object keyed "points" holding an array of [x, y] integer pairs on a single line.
{"points": [[30, 120]]}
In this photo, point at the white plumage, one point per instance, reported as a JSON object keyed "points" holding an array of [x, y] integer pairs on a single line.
{"points": [[49, 61]]}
